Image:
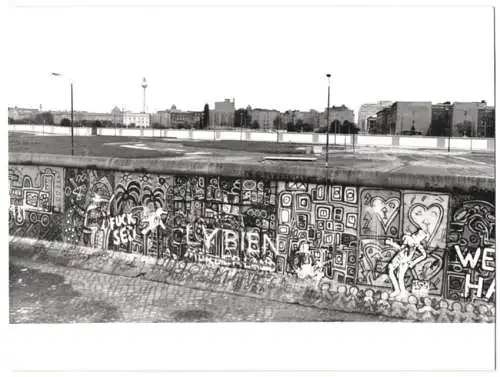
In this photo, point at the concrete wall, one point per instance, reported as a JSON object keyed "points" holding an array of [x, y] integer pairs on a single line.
{"points": [[475, 144], [346, 235], [457, 143]]}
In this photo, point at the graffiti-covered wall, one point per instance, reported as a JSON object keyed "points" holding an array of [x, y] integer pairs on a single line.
{"points": [[403, 242]]}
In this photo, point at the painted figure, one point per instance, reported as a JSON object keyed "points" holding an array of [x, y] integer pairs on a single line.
{"points": [[443, 312], [427, 312], [307, 268], [368, 301], [456, 314], [383, 305], [404, 260], [412, 311]]}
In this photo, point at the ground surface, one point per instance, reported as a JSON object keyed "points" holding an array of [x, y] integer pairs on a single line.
{"points": [[42, 293], [425, 162]]}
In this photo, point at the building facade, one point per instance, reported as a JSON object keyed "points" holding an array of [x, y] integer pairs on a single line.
{"points": [[20, 113], [465, 117], [264, 117], [162, 117], [223, 114], [140, 120], [486, 117], [404, 118], [370, 110], [186, 119], [115, 116], [340, 113]]}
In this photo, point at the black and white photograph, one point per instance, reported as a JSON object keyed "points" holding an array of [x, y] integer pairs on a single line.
{"points": [[254, 167]]}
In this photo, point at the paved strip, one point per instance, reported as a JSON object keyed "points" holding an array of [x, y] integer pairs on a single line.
{"points": [[86, 296]]}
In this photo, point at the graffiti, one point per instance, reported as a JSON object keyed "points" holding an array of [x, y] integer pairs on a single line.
{"points": [[88, 195], [35, 194], [402, 241], [36, 201], [427, 212], [380, 213], [471, 242], [392, 245], [317, 229], [404, 260], [123, 228]]}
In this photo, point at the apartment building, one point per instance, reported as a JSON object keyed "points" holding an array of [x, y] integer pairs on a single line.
{"points": [[370, 110], [223, 114]]}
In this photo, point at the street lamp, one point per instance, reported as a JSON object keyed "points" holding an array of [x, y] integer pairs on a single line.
{"points": [[72, 126], [328, 120], [449, 128]]}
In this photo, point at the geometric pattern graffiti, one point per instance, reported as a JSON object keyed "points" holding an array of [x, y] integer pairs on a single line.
{"points": [[36, 200], [317, 227]]}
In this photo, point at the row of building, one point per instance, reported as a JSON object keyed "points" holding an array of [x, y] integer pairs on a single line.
{"points": [[223, 115], [383, 117], [475, 119]]}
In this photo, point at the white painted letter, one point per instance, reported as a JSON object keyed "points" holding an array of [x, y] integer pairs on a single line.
{"points": [[268, 242], [230, 239], [469, 285], [487, 258], [469, 259], [208, 237], [491, 290], [253, 239]]}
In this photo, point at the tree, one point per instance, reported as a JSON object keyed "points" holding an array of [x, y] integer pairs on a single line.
{"points": [[206, 116], [65, 122], [335, 126], [299, 125], [465, 128], [290, 127], [348, 128], [277, 122], [157, 125], [44, 118], [439, 126], [308, 127], [255, 125], [239, 117], [97, 124]]}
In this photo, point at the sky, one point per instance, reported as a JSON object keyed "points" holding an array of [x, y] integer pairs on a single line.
{"points": [[266, 57]]}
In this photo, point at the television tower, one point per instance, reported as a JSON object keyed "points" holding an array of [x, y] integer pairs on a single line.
{"points": [[144, 86]]}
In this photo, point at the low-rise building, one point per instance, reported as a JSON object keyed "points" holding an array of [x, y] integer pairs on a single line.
{"points": [[340, 113], [21, 113], [486, 117], [403, 118], [264, 117], [186, 119], [140, 120]]}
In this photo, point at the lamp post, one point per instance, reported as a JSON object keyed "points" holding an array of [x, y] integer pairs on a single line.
{"points": [[327, 121], [72, 125], [449, 129]]}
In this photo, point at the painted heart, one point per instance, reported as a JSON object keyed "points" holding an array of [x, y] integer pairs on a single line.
{"points": [[429, 268], [427, 218], [376, 257], [385, 210]]}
